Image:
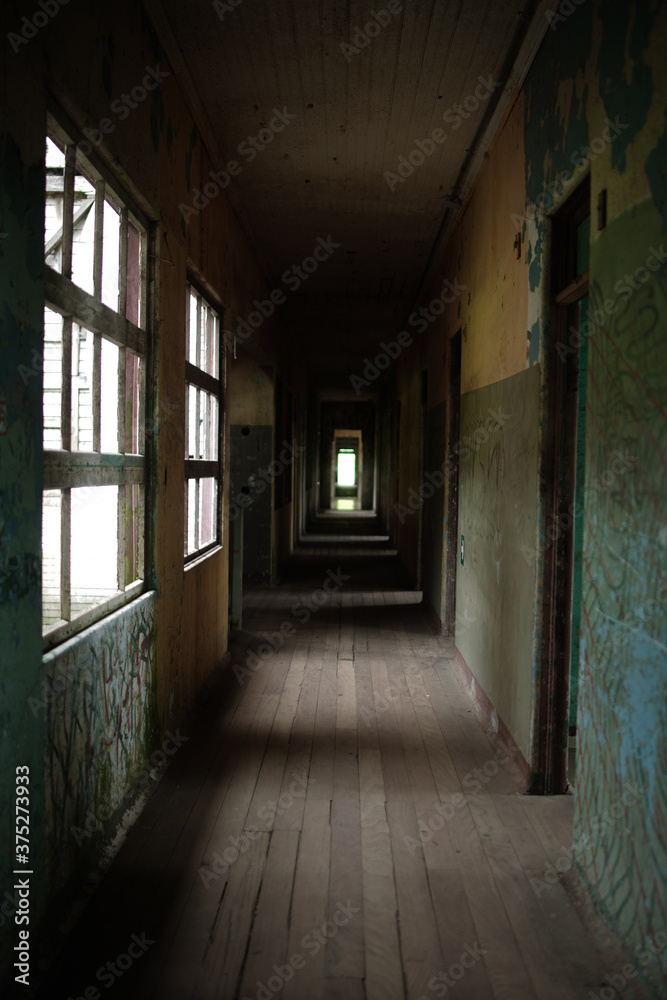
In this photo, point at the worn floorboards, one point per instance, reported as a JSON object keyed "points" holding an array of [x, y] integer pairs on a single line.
{"points": [[336, 825]]}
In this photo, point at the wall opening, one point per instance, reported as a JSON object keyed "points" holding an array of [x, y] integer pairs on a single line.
{"points": [[346, 467], [452, 485], [346, 455], [563, 529]]}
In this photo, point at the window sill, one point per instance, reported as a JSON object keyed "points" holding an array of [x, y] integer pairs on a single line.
{"points": [[196, 559], [56, 634]]}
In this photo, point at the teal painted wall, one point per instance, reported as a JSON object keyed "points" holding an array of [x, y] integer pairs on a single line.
{"points": [[605, 64], [623, 661], [22, 735]]}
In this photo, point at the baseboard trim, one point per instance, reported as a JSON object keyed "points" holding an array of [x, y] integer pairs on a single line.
{"points": [[488, 717]]}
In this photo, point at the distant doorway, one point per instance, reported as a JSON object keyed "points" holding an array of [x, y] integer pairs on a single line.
{"points": [[346, 469]]}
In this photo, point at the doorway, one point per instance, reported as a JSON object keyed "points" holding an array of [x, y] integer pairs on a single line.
{"points": [[564, 493], [346, 469], [452, 484]]}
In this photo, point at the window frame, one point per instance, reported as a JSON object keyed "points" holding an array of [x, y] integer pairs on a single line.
{"points": [[65, 469], [198, 468]]}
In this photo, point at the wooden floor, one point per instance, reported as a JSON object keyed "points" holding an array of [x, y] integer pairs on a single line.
{"points": [[281, 853]]}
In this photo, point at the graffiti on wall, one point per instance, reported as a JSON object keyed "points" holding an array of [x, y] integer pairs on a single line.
{"points": [[100, 723], [623, 652]]}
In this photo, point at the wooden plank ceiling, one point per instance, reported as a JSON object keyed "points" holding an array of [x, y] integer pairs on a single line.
{"points": [[355, 114]]}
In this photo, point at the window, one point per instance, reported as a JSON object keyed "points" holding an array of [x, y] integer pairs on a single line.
{"points": [[204, 378], [94, 370]]}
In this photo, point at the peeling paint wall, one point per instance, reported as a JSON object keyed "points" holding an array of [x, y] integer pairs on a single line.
{"points": [[599, 107], [623, 654], [593, 105]]}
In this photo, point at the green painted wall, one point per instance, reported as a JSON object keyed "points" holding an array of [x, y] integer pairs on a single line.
{"points": [[623, 664], [595, 104], [495, 586], [22, 734]]}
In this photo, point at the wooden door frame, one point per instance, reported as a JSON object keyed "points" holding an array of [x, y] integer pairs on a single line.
{"points": [[550, 775], [452, 482]]}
